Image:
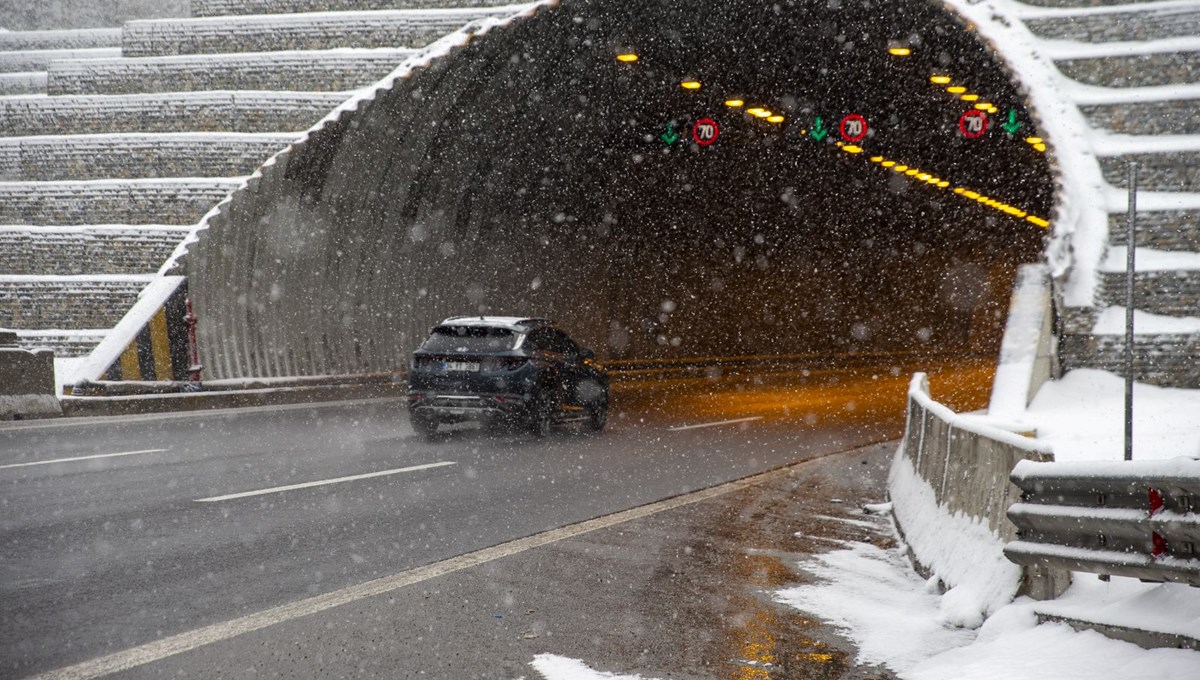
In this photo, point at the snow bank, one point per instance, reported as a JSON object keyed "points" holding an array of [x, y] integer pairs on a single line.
{"points": [[554, 667], [1112, 322], [963, 552], [1082, 417], [874, 599]]}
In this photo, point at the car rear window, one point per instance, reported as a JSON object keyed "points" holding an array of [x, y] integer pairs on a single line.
{"points": [[470, 339]]}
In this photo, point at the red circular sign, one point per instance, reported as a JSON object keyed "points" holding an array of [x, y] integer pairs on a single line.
{"points": [[853, 128], [973, 124], [705, 131]]}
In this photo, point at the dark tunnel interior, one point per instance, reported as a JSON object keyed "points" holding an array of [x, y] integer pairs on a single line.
{"points": [[544, 179]]}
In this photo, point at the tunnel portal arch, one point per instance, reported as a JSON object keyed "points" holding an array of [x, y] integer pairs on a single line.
{"points": [[532, 172]]}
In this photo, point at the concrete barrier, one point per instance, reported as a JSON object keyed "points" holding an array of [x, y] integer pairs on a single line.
{"points": [[967, 465], [26, 381]]}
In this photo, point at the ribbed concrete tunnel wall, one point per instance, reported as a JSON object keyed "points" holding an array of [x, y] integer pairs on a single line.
{"points": [[480, 185]]}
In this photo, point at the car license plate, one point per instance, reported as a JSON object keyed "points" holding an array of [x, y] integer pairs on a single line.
{"points": [[462, 366]]}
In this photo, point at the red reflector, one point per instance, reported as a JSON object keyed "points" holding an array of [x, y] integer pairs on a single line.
{"points": [[1160, 545], [1156, 501]]}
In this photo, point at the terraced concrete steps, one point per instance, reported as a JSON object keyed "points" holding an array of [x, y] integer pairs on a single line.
{"points": [[14, 41], [311, 71], [73, 343], [1152, 21], [128, 156], [316, 31], [209, 8], [32, 82], [40, 60], [67, 302], [133, 201], [1135, 70], [108, 249], [1164, 110], [1170, 230], [217, 111], [1156, 171], [1172, 292]]}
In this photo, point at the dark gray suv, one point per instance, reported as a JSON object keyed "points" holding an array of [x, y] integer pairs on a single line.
{"points": [[505, 372]]}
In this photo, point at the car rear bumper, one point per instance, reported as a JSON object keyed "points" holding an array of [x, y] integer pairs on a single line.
{"points": [[461, 407]]}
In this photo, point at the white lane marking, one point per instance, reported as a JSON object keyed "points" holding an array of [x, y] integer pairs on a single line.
{"points": [[323, 482], [719, 422], [69, 460], [217, 632], [81, 421]]}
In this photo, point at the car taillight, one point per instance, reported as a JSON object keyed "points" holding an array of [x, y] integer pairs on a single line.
{"points": [[419, 363]]}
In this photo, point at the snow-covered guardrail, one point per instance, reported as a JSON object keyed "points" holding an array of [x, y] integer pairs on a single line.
{"points": [[1138, 518]]}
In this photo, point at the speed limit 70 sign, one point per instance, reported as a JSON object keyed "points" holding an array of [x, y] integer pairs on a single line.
{"points": [[973, 124]]}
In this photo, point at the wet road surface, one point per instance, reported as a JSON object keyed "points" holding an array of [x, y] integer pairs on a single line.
{"points": [[211, 517]]}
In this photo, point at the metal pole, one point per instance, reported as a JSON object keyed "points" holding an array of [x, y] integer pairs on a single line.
{"points": [[1131, 250]]}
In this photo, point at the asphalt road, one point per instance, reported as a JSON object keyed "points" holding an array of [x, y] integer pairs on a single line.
{"points": [[106, 552]]}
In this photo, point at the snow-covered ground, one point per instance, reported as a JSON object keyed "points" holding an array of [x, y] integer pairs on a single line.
{"points": [[1082, 416]]}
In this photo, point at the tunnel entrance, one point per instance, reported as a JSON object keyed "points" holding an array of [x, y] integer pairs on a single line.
{"points": [[536, 173]]}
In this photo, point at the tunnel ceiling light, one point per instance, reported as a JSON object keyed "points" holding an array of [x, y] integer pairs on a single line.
{"points": [[912, 172], [956, 89], [690, 84], [983, 106], [969, 97], [993, 110], [943, 184], [1040, 147], [851, 148], [759, 113], [1033, 140], [888, 164], [924, 176], [900, 168], [1037, 220], [734, 103], [628, 57], [775, 119], [876, 159], [899, 51], [939, 80]]}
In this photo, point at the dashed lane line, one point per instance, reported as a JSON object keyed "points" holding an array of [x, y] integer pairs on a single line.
{"points": [[714, 424], [76, 458], [323, 482]]}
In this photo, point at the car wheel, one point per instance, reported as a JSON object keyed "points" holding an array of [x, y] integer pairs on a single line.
{"points": [[542, 421], [424, 427], [597, 415]]}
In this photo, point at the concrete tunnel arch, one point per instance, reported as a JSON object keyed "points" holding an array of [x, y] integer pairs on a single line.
{"points": [[524, 173]]}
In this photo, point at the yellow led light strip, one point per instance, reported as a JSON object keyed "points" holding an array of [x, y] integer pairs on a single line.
{"points": [[934, 180]]}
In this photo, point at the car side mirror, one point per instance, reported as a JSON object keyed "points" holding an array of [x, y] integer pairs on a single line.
{"points": [[587, 355]]}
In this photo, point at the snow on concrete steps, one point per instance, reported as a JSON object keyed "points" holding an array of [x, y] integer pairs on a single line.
{"points": [[312, 71], [40, 60], [66, 302], [209, 8], [312, 31], [88, 38], [1147, 21], [176, 201], [103, 249], [24, 82], [136, 155], [215, 111]]}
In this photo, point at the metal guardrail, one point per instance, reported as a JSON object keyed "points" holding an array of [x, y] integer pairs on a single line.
{"points": [[1139, 519]]}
